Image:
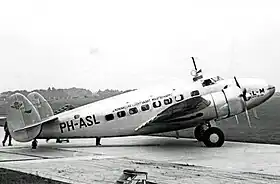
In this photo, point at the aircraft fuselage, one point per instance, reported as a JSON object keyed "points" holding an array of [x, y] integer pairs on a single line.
{"points": [[123, 114]]}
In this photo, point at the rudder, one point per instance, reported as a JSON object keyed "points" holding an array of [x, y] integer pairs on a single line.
{"points": [[21, 113], [41, 104]]}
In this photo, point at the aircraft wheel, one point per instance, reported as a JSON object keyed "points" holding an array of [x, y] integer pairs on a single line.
{"points": [[213, 137], [34, 144], [58, 140], [198, 132]]}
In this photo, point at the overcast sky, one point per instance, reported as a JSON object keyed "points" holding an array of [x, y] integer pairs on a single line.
{"points": [[133, 44]]}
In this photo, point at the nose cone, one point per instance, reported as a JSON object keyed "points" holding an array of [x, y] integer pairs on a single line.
{"points": [[258, 91], [271, 90]]}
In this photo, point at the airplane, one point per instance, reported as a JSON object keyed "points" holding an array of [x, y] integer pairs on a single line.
{"points": [[142, 112]]}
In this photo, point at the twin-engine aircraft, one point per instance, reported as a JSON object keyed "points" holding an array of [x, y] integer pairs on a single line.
{"points": [[141, 112]]}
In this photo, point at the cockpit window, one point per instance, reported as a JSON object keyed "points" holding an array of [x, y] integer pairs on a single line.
{"points": [[211, 81], [216, 79], [207, 82]]}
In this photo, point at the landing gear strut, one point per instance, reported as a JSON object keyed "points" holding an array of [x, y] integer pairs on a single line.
{"points": [[211, 136], [34, 144], [200, 130], [98, 140]]}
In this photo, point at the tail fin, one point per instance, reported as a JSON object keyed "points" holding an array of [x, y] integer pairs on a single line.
{"points": [[22, 113], [43, 107]]}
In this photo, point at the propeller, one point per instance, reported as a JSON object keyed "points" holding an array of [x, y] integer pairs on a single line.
{"points": [[248, 118], [237, 121], [243, 95], [237, 83]]}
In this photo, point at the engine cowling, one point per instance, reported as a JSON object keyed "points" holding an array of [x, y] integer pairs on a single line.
{"points": [[228, 102]]}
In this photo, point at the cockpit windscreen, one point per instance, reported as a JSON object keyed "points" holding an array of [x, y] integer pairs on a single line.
{"points": [[211, 81]]}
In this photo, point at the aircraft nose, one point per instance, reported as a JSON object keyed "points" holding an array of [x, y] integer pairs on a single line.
{"points": [[271, 89]]}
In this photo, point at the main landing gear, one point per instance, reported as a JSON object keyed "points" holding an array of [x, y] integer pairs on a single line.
{"points": [[34, 144], [98, 140], [210, 136]]}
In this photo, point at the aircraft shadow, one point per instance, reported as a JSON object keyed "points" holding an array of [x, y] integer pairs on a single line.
{"points": [[168, 143], [154, 143]]}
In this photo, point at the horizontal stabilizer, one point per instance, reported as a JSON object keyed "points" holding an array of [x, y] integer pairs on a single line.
{"points": [[53, 118]]}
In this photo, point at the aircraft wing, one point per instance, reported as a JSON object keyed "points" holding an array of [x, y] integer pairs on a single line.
{"points": [[2, 121], [52, 118], [178, 112]]}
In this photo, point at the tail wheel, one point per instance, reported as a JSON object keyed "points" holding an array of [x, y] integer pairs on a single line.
{"points": [[198, 132], [213, 137]]}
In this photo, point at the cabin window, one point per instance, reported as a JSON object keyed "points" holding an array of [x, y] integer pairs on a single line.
{"points": [[133, 110], [145, 107], [156, 104], [77, 116], [121, 114], [179, 98], [109, 117], [195, 93], [167, 101]]}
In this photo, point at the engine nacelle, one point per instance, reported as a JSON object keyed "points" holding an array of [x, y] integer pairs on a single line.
{"points": [[228, 102]]}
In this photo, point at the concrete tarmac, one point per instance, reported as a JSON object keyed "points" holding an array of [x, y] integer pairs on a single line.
{"points": [[167, 160]]}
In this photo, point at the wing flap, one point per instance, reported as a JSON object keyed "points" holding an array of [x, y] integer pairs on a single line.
{"points": [[53, 118]]}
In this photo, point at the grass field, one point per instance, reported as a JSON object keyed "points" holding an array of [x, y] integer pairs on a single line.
{"points": [[264, 130]]}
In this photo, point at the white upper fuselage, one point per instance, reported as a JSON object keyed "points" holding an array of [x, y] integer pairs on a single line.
{"points": [[121, 115]]}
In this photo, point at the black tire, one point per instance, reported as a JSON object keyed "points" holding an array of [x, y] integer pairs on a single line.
{"points": [[58, 141], [212, 131], [198, 132], [34, 144]]}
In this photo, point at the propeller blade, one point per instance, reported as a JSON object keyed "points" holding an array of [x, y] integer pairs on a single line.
{"points": [[237, 121], [248, 118], [255, 113], [244, 92], [244, 97], [237, 83], [246, 111]]}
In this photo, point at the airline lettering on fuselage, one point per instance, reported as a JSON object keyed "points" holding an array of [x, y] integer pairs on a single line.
{"points": [[77, 123], [141, 102], [257, 93]]}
